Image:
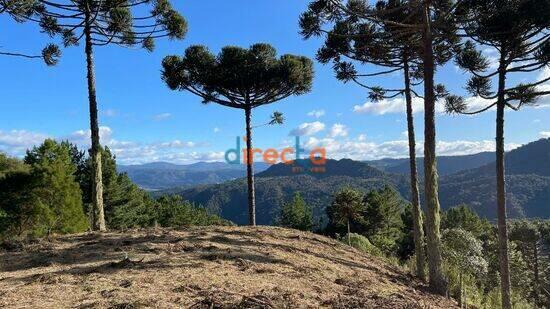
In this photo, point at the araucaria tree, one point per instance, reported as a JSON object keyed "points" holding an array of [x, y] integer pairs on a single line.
{"points": [[101, 23], [347, 207], [518, 32], [240, 78], [387, 36], [354, 39]]}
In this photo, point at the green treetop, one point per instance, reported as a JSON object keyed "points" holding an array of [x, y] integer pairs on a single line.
{"points": [[296, 214]]}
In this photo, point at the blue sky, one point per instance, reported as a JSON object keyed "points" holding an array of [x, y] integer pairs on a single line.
{"points": [[144, 121]]}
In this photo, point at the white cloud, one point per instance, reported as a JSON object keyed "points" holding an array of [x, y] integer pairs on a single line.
{"points": [[365, 150], [16, 142], [493, 61], [129, 157], [393, 106], [161, 117], [177, 144], [544, 101], [308, 128], [477, 103], [216, 130], [83, 137], [544, 73], [316, 113], [461, 147], [338, 130], [545, 134], [397, 105]]}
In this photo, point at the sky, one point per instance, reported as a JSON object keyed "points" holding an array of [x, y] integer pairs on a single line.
{"points": [[143, 121]]}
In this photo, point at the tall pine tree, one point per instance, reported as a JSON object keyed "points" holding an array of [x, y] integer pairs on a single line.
{"points": [[101, 23], [517, 31]]}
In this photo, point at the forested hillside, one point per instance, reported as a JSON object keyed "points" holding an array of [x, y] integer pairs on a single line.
{"points": [[528, 186], [376, 79], [277, 185], [446, 165]]}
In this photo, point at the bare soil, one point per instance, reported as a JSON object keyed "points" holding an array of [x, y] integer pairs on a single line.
{"points": [[210, 267]]}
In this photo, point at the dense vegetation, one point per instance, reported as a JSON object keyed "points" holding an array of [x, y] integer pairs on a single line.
{"points": [[527, 185], [50, 192], [381, 224], [316, 189], [296, 214]]}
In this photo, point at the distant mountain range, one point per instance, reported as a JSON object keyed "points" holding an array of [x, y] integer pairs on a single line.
{"points": [[527, 184], [162, 175], [472, 183], [446, 165]]}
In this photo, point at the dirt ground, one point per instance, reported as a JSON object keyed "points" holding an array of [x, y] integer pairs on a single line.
{"points": [[213, 267]]}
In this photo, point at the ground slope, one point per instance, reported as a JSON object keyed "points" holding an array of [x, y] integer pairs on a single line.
{"points": [[215, 267]]}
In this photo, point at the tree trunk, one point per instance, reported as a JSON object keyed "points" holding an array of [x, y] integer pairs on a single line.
{"points": [[97, 214], [349, 236], [501, 190], [437, 280], [536, 271], [250, 169], [465, 298], [415, 196], [461, 296]]}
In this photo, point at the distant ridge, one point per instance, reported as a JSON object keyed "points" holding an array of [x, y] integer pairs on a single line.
{"points": [[163, 175], [528, 186], [446, 165], [343, 167]]}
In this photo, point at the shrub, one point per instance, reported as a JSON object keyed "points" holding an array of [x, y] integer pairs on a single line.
{"points": [[363, 244]]}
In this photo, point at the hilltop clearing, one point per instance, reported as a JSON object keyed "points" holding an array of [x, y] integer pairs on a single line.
{"points": [[214, 267]]}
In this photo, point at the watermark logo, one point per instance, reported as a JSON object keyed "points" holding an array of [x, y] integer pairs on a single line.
{"points": [[313, 161]]}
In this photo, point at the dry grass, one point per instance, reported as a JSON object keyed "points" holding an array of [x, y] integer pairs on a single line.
{"points": [[215, 267]]}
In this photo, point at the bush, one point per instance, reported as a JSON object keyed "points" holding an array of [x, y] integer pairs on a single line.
{"points": [[363, 244], [173, 211], [167, 211]]}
